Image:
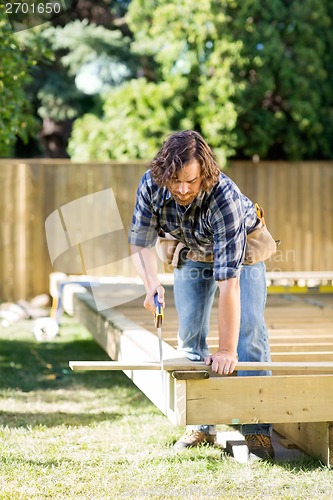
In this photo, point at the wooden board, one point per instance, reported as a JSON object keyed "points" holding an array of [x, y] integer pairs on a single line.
{"points": [[239, 400], [182, 364], [316, 439]]}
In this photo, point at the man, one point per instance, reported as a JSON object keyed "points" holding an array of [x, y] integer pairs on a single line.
{"points": [[184, 194]]}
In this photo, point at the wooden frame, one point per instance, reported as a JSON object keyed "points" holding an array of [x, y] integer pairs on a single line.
{"points": [[298, 403]]}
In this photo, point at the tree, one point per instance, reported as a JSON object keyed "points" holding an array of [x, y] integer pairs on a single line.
{"points": [[195, 59], [183, 59], [136, 116], [283, 75], [254, 77], [15, 119], [85, 52], [83, 56], [327, 87]]}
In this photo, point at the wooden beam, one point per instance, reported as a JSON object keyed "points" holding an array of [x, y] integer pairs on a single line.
{"points": [[302, 347], [240, 400], [315, 438], [296, 275], [316, 357], [180, 364]]}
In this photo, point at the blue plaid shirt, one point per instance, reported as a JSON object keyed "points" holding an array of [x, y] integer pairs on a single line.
{"points": [[215, 222]]}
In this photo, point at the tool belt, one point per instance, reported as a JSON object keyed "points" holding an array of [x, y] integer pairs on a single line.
{"points": [[168, 249], [260, 245]]}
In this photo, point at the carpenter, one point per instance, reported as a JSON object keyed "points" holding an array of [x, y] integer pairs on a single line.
{"points": [[200, 221]]}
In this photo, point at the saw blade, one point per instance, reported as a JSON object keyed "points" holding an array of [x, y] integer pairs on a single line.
{"points": [[160, 345]]}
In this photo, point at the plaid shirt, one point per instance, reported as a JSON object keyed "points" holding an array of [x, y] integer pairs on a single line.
{"points": [[215, 222]]}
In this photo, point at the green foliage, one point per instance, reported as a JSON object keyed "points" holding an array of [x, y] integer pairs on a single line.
{"points": [[281, 101], [255, 78], [184, 60], [14, 75], [83, 43], [76, 61], [326, 111], [190, 58], [59, 99], [67, 50], [136, 117]]}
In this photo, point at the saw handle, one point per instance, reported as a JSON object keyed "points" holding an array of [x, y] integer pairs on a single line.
{"points": [[159, 314]]}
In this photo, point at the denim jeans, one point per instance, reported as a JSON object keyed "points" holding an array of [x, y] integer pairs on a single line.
{"points": [[194, 291]]}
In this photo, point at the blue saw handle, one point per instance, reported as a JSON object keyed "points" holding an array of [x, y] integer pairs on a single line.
{"points": [[159, 314]]}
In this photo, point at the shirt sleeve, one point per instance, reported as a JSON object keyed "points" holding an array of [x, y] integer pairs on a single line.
{"points": [[143, 231], [228, 224]]}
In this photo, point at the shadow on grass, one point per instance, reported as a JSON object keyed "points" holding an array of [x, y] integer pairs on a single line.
{"points": [[30, 366], [55, 419], [303, 464], [18, 461], [38, 373]]}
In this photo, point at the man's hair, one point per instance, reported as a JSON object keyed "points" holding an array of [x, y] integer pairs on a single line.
{"points": [[178, 150]]}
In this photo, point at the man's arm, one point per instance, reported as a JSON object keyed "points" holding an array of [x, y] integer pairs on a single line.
{"points": [[145, 262], [224, 361]]}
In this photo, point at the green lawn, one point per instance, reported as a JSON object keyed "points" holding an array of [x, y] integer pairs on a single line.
{"points": [[74, 435]]}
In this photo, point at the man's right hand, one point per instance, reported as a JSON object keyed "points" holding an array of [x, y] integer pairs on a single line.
{"points": [[149, 303]]}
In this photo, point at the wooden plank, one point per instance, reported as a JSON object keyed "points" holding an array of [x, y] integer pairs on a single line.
{"points": [[315, 438], [302, 357], [317, 222], [21, 233], [304, 253], [289, 196], [7, 227], [181, 364], [296, 275], [180, 402], [327, 234], [301, 346], [36, 219], [240, 400]]}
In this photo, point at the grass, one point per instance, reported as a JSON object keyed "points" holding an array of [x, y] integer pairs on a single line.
{"points": [[75, 435]]}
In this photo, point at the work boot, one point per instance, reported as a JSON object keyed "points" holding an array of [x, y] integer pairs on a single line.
{"points": [[260, 445], [194, 437]]}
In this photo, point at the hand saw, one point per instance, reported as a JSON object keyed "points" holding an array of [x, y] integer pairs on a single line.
{"points": [[159, 316]]}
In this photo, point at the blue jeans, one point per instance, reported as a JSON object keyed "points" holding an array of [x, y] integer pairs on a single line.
{"points": [[194, 291]]}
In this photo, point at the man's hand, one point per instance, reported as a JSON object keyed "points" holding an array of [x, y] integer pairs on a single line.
{"points": [[223, 362], [145, 262], [149, 300]]}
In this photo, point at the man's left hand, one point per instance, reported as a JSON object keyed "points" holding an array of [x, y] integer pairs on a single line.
{"points": [[223, 362]]}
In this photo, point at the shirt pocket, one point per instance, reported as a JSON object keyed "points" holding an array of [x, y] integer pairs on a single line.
{"points": [[202, 238], [170, 228]]}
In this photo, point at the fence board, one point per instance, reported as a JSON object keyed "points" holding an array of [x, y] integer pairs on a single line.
{"points": [[299, 210], [297, 198]]}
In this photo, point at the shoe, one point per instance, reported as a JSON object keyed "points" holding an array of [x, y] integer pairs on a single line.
{"points": [[260, 445], [192, 438]]}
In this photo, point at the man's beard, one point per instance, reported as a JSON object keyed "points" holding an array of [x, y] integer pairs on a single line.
{"points": [[184, 201]]}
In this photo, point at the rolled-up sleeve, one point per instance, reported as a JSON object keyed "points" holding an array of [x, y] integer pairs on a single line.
{"points": [[229, 231], [143, 231]]}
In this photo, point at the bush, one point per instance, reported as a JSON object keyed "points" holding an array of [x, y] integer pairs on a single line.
{"points": [[14, 117]]}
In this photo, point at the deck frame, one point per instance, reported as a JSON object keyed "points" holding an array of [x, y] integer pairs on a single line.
{"points": [[279, 399]]}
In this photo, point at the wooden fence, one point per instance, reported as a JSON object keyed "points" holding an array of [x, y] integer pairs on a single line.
{"points": [[85, 233]]}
